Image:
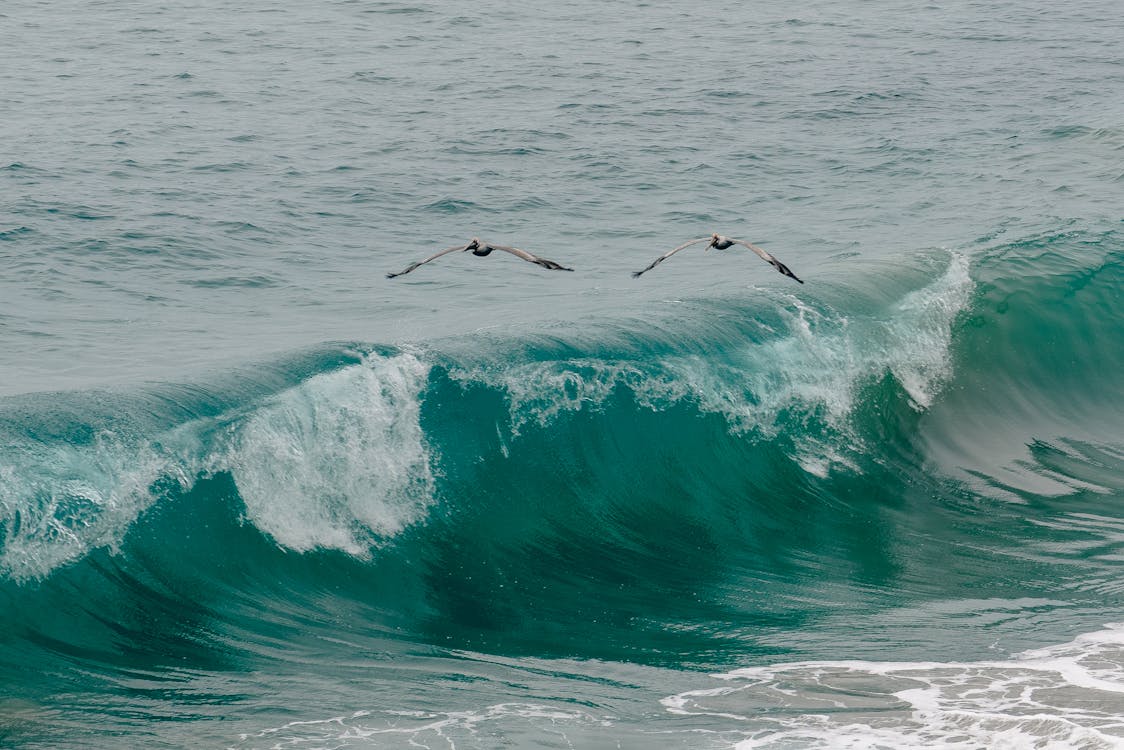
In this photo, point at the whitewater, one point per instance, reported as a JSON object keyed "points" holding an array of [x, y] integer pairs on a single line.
{"points": [[253, 494]]}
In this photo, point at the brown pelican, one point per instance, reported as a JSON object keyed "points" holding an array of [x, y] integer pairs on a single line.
{"points": [[485, 248], [721, 243]]}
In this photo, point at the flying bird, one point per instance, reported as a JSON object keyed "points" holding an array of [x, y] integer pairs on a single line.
{"points": [[485, 248], [721, 243]]}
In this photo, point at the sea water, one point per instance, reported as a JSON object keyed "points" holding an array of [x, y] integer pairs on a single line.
{"points": [[253, 494]]}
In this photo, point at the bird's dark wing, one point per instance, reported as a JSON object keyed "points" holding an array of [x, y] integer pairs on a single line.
{"points": [[531, 258], [435, 256], [668, 254], [765, 256]]}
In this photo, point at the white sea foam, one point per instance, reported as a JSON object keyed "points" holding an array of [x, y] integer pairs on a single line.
{"points": [[826, 356], [58, 502], [921, 332], [815, 369], [339, 461], [539, 392], [500, 723], [1065, 696]]}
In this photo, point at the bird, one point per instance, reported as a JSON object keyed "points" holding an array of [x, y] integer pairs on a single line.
{"points": [[481, 249], [721, 243]]}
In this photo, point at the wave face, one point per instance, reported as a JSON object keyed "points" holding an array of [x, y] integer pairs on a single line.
{"points": [[345, 449], [732, 481]]}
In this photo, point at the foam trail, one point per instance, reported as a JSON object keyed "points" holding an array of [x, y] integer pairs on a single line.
{"points": [[339, 461], [451, 729], [1064, 696]]}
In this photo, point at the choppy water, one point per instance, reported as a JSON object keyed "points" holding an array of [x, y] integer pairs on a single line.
{"points": [[255, 495]]}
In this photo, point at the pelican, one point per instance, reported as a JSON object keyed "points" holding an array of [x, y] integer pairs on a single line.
{"points": [[485, 248], [721, 243]]}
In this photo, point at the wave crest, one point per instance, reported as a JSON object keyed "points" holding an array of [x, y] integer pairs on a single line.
{"points": [[339, 461]]}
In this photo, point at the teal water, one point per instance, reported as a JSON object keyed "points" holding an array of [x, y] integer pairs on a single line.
{"points": [[255, 495]]}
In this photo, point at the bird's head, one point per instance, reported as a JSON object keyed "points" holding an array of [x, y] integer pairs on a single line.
{"points": [[473, 244], [714, 238]]}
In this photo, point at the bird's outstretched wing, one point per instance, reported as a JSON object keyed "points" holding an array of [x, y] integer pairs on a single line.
{"points": [[770, 259], [435, 256], [668, 254], [531, 258]]}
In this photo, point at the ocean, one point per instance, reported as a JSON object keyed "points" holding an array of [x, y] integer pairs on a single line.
{"points": [[254, 494]]}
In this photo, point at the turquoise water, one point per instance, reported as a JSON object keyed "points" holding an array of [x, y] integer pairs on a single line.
{"points": [[253, 494]]}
